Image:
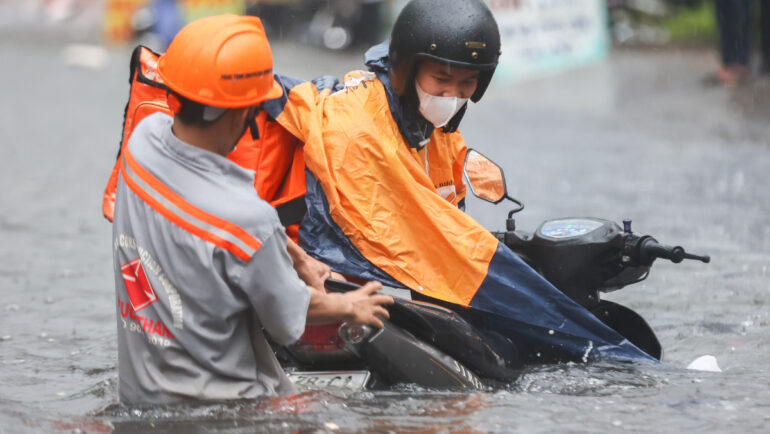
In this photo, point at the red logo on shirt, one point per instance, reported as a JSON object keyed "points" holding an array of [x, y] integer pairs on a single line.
{"points": [[139, 290]]}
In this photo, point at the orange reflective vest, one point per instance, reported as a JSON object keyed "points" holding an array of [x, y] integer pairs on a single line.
{"points": [[276, 156]]}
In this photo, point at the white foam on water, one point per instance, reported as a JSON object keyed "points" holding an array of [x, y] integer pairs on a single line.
{"points": [[705, 363]]}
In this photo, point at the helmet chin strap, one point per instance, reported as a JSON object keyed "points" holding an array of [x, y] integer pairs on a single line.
{"points": [[454, 123], [254, 128], [252, 124]]}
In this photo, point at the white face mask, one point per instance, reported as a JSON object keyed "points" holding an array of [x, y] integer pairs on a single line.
{"points": [[438, 110]]}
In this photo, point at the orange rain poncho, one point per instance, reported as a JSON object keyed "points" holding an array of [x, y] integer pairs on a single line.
{"points": [[376, 210], [385, 201]]}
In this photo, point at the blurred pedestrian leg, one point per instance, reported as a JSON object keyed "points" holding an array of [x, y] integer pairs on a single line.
{"points": [[764, 29], [368, 30], [733, 17]]}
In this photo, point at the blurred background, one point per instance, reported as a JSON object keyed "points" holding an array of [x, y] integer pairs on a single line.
{"points": [[652, 110], [539, 36]]}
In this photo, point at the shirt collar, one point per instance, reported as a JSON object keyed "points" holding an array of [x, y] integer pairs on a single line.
{"points": [[201, 158], [415, 129]]}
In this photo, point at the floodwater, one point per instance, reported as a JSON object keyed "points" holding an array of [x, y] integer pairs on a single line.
{"points": [[635, 137]]}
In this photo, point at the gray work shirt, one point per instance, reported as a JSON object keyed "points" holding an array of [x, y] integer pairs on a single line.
{"points": [[201, 268]]}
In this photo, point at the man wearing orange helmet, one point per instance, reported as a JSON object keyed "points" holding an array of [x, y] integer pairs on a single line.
{"points": [[201, 262]]}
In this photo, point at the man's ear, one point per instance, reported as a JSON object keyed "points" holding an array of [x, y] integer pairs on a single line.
{"points": [[236, 117]]}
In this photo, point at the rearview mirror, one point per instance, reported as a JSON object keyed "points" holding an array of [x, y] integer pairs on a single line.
{"points": [[484, 177]]}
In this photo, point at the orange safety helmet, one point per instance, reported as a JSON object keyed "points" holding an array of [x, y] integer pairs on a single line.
{"points": [[221, 61]]}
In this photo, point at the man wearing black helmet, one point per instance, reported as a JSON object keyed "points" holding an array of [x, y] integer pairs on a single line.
{"points": [[440, 55], [435, 41], [399, 120], [385, 190]]}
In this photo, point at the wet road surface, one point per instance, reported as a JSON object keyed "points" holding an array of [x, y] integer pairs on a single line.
{"points": [[635, 137]]}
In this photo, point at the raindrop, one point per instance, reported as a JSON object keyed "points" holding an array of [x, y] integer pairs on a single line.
{"points": [[51, 340], [336, 38], [550, 332], [43, 335], [77, 431], [62, 394], [12, 308], [5, 338], [617, 423], [48, 300], [136, 412]]}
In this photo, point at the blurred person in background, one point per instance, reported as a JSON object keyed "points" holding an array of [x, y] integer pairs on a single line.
{"points": [[333, 24]]}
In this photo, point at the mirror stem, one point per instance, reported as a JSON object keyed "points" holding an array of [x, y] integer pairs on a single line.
{"points": [[515, 210], [510, 224]]}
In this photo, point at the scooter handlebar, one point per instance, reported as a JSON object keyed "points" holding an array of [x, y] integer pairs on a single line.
{"points": [[649, 249]]}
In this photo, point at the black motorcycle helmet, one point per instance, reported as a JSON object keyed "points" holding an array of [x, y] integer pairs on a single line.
{"points": [[460, 33]]}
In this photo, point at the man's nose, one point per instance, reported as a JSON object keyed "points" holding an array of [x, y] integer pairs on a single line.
{"points": [[452, 91]]}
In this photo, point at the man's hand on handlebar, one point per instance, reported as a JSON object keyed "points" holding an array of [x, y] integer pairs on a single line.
{"points": [[367, 305], [361, 306]]}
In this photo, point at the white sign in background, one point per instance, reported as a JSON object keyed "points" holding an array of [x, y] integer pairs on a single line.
{"points": [[541, 37]]}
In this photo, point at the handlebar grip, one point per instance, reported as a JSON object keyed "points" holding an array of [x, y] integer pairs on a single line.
{"points": [[705, 258], [649, 249]]}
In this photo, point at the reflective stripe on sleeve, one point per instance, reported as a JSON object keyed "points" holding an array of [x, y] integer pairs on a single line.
{"points": [[210, 228]]}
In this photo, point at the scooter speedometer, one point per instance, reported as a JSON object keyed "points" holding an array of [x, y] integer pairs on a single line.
{"points": [[568, 228]]}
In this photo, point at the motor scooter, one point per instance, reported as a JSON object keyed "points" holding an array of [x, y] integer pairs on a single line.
{"points": [[435, 345]]}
